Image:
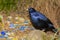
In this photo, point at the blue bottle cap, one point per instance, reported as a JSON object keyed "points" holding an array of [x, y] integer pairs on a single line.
{"points": [[3, 32]]}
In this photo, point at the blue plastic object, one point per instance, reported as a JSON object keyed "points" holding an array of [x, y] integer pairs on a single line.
{"points": [[1, 36], [12, 25], [3, 32]]}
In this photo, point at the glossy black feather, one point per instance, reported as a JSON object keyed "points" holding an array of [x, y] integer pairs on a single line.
{"points": [[40, 21]]}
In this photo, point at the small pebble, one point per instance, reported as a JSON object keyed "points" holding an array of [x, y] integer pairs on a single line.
{"points": [[16, 25], [16, 18], [12, 25], [22, 19], [26, 22], [8, 33], [31, 28], [13, 34], [26, 27], [8, 22], [6, 36], [22, 28], [17, 22], [10, 17]]}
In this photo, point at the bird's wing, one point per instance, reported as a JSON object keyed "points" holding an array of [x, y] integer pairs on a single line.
{"points": [[44, 18], [45, 21], [40, 20], [49, 21]]}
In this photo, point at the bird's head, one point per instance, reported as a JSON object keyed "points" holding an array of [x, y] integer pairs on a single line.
{"points": [[31, 10]]}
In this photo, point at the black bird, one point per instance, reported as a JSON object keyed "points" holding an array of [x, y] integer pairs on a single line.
{"points": [[40, 21]]}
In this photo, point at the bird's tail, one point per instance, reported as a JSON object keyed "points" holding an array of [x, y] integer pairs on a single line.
{"points": [[55, 31]]}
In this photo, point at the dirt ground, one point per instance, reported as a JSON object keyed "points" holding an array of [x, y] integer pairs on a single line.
{"points": [[49, 8]]}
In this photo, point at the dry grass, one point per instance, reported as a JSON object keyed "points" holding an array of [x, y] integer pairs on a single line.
{"points": [[50, 8]]}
